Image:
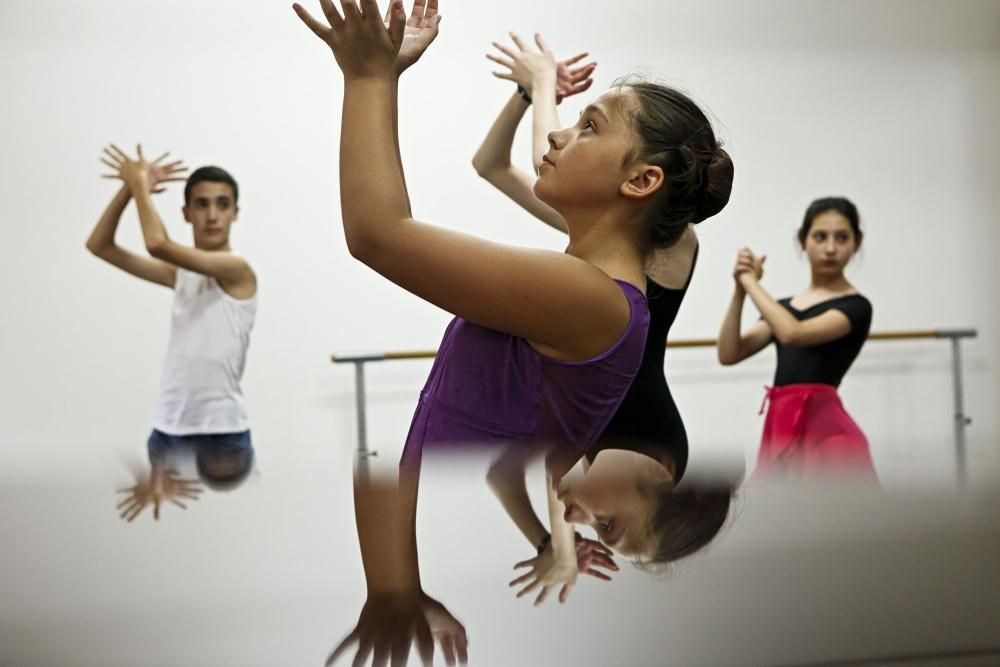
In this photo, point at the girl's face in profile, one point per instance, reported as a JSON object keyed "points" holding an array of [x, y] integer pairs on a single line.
{"points": [[585, 163], [608, 498]]}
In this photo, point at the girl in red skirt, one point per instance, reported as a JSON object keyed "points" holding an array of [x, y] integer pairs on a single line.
{"points": [[818, 334]]}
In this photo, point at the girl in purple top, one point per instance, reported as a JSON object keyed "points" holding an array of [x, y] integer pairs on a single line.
{"points": [[544, 344]]}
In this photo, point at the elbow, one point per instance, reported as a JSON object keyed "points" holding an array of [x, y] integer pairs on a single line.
{"points": [[788, 338], [483, 169], [727, 357], [93, 248], [362, 246], [479, 165], [158, 248]]}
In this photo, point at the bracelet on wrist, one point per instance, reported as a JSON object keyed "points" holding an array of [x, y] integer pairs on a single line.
{"points": [[543, 545], [523, 92]]}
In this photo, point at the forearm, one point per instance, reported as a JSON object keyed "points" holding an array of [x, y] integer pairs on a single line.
{"points": [[385, 512], [103, 236], [510, 490], [563, 537], [730, 349], [544, 118], [372, 192], [395, 141], [494, 153], [784, 326], [153, 232]]}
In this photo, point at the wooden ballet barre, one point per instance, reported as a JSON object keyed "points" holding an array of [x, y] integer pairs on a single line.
{"points": [[955, 336], [683, 342]]}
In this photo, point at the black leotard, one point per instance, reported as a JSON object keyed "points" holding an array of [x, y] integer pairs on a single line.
{"points": [[647, 420], [826, 363]]}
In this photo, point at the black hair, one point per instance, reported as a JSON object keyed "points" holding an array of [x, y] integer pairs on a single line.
{"points": [[683, 522], [676, 136], [242, 460], [841, 205], [213, 175]]}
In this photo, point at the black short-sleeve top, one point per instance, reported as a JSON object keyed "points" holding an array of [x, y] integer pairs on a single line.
{"points": [[826, 363]]}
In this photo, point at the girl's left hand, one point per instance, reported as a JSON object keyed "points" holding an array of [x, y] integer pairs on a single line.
{"points": [[547, 572], [420, 30], [362, 44], [591, 554]]}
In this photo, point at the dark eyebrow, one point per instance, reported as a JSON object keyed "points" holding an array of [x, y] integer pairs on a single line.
{"points": [[593, 108]]}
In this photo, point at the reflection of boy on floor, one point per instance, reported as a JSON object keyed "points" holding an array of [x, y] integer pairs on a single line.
{"points": [[201, 404]]}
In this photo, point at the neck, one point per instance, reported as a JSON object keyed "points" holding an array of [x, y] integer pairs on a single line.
{"points": [[222, 248], [831, 282], [599, 239]]}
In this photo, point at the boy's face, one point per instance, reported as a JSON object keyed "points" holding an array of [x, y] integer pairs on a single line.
{"points": [[211, 209]]}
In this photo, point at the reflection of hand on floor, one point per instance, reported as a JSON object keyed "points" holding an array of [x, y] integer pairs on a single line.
{"points": [[449, 633], [547, 571], [161, 485], [591, 554], [391, 622]]}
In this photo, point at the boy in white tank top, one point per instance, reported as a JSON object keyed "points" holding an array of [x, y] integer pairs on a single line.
{"points": [[201, 408]]}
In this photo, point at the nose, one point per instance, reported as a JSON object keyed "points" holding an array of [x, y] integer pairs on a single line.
{"points": [[557, 139]]}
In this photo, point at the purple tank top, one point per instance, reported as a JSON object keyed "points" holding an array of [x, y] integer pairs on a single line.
{"points": [[489, 387]]}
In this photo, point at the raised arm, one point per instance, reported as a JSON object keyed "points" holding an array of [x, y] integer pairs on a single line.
{"points": [[102, 240], [102, 244], [735, 345], [493, 159], [232, 271], [550, 298], [492, 162], [788, 330]]}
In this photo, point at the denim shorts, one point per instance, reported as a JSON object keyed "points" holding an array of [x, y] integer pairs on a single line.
{"points": [[161, 445]]}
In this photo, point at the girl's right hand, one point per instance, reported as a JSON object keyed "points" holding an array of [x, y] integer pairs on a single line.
{"points": [[748, 263], [526, 65]]}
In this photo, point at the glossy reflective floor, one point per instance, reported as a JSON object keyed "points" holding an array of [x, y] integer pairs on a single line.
{"points": [[270, 574]]}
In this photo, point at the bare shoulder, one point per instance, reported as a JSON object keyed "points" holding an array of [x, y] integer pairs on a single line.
{"points": [[241, 282], [671, 267]]}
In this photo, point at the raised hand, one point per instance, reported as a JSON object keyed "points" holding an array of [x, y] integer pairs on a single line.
{"points": [[748, 266], [525, 64], [160, 172], [421, 29], [387, 627], [362, 43], [134, 172], [161, 485], [547, 572]]}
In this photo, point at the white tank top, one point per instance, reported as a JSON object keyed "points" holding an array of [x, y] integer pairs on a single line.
{"points": [[209, 334]]}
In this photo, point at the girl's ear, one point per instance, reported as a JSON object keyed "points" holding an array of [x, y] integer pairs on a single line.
{"points": [[643, 182]]}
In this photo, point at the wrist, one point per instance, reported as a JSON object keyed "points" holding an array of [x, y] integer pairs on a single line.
{"points": [[410, 594], [386, 78], [524, 94]]}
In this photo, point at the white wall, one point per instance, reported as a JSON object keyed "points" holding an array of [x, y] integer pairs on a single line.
{"points": [[892, 103]]}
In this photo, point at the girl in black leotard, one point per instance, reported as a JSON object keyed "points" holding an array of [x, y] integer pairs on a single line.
{"points": [[632, 471], [818, 334]]}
